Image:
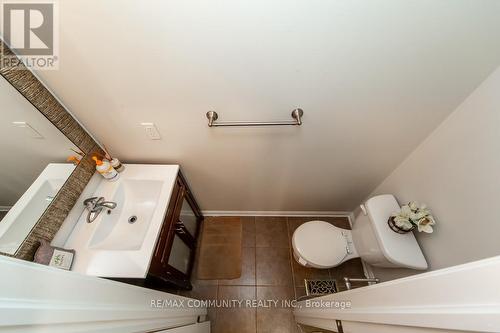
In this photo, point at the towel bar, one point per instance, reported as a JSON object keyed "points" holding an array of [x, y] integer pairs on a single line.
{"points": [[297, 114]]}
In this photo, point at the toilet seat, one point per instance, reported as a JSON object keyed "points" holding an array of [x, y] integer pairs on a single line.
{"points": [[322, 245]]}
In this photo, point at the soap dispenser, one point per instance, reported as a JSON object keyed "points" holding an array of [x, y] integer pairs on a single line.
{"points": [[115, 163], [105, 169]]}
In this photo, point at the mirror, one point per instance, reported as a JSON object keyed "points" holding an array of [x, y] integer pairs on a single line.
{"points": [[33, 166]]}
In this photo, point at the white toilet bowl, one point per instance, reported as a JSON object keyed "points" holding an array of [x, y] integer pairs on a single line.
{"points": [[320, 244]]}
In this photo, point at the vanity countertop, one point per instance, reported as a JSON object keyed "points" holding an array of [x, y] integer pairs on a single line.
{"points": [[111, 246]]}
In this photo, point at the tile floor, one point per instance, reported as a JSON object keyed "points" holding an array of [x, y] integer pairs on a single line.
{"points": [[268, 272]]}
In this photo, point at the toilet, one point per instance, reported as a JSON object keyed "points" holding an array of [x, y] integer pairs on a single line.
{"points": [[322, 245]]}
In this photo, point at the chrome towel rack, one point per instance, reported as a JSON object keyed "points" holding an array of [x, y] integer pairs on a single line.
{"points": [[297, 114]]}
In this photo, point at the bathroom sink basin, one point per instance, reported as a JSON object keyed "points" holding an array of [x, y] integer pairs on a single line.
{"points": [[120, 242], [21, 218], [125, 227]]}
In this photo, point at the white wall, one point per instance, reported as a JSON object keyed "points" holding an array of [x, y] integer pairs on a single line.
{"points": [[456, 171], [22, 157], [374, 78]]}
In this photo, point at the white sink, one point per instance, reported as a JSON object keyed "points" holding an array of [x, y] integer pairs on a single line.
{"points": [[112, 246], [125, 227], [21, 218]]}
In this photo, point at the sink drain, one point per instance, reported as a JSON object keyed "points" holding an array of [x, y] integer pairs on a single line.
{"points": [[132, 219]]}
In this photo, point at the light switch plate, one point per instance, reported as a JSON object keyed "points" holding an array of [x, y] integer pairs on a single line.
{"points": [[151, 131], [28, 129]]}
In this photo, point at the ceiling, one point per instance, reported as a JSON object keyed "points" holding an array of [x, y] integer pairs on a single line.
{"points": [[373, 77]]}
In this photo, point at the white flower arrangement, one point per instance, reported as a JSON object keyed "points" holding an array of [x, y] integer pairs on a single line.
{"points": [[412, 215]]}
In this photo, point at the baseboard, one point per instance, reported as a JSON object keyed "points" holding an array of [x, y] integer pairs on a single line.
{"points": [[276, 213]]}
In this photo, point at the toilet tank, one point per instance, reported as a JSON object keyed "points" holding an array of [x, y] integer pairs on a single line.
{"points": [[377, 244]]}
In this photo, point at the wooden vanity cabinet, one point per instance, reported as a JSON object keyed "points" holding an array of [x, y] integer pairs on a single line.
{"points": [[173, 256]]}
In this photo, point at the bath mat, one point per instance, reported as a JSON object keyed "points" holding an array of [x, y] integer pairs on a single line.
{"points": [[220, 251]]}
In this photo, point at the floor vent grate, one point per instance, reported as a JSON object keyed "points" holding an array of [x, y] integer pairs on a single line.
{"points": [[320, 287]]}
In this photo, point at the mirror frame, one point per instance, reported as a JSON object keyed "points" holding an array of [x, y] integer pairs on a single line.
{"points": [[44, 101]]}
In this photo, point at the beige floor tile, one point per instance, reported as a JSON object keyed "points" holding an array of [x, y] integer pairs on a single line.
{"points": [[235, 320], [248, 223], [273, 266], [271, 232]]}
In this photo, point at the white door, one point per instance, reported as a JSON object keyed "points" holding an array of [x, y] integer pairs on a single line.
{"points": [[455, 299], [37, 298]]}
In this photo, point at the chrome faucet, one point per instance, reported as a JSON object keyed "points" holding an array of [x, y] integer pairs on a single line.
{"points": [[95, 205]]}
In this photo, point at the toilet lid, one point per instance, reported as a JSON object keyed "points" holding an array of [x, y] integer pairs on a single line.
{"points": [[320, 243]]}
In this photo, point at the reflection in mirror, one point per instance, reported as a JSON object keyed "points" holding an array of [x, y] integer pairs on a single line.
{"points": [[34, 155]]}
